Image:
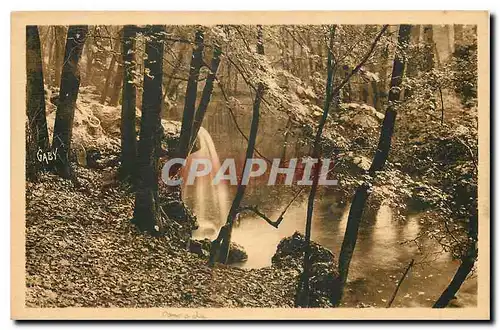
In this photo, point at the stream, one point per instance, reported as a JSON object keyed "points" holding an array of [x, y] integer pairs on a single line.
{"points": [[380, 256]]}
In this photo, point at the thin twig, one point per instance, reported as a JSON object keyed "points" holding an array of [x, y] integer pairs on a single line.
{"points": [[400, 282]]}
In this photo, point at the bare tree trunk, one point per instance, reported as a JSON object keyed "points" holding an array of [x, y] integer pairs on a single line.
{"points": [[128, 133], [449, 39], [428, 61], [35, 95], [146, 210], [50, 57], [387, 130], [44, 45], [70, 82], [35, 102], [381, 155], [383, 77], [312, 67], [117, 85], [302, 298], [190, 98], [205, 96], [458, 36], [400, 282], [220, 247], [89, 56], [111, 69], [59, 53], [465, 267], [175, 70]]}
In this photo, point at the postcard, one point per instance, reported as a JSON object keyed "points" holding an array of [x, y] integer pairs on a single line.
{"points": [[250, 165]]}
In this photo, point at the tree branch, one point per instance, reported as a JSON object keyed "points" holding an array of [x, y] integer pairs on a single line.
{"points": [[278, 221], [358, 67]]}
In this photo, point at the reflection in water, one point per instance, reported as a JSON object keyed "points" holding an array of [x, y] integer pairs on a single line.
{"points": [[211, 205], [380, 256], [384, 238]]}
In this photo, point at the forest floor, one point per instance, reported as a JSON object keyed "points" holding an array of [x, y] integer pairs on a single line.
{"points": [[82, 251]]}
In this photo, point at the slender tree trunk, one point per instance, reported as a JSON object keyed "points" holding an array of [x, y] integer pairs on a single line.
{"points": [[70, 82], [428, 61], [35, 95], [465, 267], [379, 160], [383, 77], [117, 85], [89, 56], [190, 98], [128, 133], [312, 67], [111, 69], [44, 45], [220, 249], [387, 130], [50, 57], [449, 39], [146, 212], [118, 81], [414, 57], [400, 282], [302, 298], [175, 71], [205, 96], [458, 36], [59, 53]]}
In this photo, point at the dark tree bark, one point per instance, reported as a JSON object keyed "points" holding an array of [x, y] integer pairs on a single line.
{"points": [[302, 298], [111, 69], [384, 144], [468, 260], [190, 98], [35, 96], [70, 82], [146, 210], [37, 133], [128, 133], [380, 158], [205, 96], [220, 247]]}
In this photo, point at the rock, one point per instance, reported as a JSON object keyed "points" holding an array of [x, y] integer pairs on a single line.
{"points": [[236, 252], [291, 249], [196, 247], [177, 210], [323, 277]]}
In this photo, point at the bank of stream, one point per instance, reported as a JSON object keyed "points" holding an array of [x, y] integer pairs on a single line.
{"points": [[385, 245]]}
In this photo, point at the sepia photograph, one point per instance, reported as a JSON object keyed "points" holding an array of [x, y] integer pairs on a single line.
{"points": [[199, 165]]}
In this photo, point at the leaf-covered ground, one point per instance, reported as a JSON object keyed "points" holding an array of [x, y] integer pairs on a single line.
{"points": [[82, 251]]}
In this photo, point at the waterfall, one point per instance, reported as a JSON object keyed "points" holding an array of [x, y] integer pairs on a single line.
{"points": [[209, 202]]}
